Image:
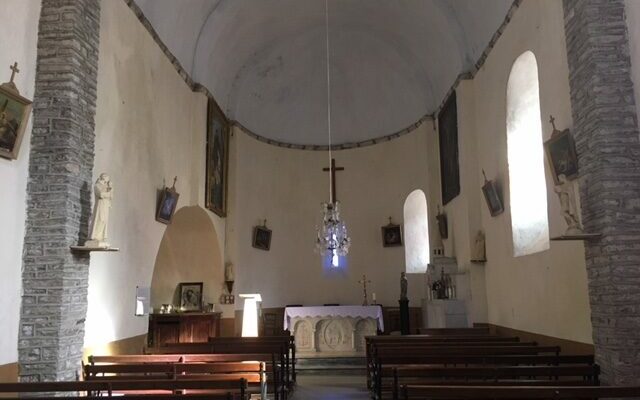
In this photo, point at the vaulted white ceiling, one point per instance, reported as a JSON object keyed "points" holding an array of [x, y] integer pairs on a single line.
{"points": [[392, 61]]}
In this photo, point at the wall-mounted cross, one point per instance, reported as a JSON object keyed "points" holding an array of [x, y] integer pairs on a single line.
{"points": [[332, 170], [14, 70]]}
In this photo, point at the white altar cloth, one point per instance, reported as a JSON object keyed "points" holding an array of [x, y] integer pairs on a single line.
{"points": [[334, 311]]}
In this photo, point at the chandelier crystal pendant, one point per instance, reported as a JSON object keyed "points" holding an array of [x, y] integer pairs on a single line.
{"points": [[333, 239]]}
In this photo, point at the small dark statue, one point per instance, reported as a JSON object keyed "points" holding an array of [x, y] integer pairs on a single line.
{"points": [[403, 286]]}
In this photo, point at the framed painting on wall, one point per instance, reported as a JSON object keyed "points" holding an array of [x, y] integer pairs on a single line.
{"points": [[391, 235], [561, 154], [14, 116], [217, 159], [448, 137], [190, 296], [167, 205], [261, 238]]}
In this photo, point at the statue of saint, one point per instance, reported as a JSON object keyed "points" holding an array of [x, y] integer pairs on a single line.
{"points": [[228, 272], [403, 286], [104, 193], [479, 252], [568, 206]]}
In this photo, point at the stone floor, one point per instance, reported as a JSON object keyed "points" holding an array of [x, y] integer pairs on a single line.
{"points": [[331, 387]]}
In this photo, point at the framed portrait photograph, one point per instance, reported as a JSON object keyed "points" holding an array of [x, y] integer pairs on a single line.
{"points": [[217, 159], [391, 235], [167, 205], [561, 154], [261, 238], [14, 117], [190, 296], [492, 197]]}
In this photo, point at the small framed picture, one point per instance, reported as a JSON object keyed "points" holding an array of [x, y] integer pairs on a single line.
{"points": [[167, 205], [561, 155], [261, 238], [190, 296], [391, 235], [491, 196], [14, 116]]}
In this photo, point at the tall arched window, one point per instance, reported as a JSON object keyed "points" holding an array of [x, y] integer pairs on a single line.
{"points": [[527, 186], [416, 233]]}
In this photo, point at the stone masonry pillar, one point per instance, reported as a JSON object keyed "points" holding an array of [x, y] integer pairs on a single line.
{"points": [[54, 280], [605, 127]]}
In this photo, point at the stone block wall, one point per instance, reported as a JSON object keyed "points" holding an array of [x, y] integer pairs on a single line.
{"points": [[605, 127], [55, 281]]}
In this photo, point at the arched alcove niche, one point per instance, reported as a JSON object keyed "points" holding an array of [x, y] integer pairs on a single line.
{"points": [[188, 252]]}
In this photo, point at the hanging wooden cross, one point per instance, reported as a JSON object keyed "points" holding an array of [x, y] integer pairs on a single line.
{"points": [[364, 282], [332, 170]]}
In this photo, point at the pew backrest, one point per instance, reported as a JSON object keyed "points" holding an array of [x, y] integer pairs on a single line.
{"points": [[517, 392]]}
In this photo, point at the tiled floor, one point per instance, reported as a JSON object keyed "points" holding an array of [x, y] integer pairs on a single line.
{"points": [[330, 387]]}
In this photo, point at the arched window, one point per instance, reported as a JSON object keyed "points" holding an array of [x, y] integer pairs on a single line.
{"points": [[416, 233], [527, 186]]}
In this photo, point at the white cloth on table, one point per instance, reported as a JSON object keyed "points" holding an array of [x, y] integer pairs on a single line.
{"points": [[334, 311]]}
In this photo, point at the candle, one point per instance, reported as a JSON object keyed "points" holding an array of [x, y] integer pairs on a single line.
{"points": [[373, 296]]}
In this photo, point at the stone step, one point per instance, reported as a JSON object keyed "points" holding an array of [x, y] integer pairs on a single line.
{"points": [[331, 366]]}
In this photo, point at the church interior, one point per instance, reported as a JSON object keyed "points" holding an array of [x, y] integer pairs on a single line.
{"points": [[320, 199]]}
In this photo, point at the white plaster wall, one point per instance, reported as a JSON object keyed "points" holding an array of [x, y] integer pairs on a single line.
{"points": [[287, 186], [18, 44], [150, 127], [545, 293]]}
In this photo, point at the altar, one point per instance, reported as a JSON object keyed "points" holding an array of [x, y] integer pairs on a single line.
{"points": [[332, 331]]}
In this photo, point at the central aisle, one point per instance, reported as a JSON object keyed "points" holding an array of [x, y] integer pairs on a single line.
{"points": [[331, 387]]}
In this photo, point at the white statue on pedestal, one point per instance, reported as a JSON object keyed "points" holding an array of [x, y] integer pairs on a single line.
{"points": [[569, 206], [103, 193]]}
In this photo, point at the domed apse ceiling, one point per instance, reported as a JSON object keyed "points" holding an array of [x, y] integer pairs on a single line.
{"points": [[265, 60]]}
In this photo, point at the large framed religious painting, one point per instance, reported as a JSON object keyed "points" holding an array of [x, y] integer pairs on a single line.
{"points": [[448, 135], [217, 159], [14, 116]]}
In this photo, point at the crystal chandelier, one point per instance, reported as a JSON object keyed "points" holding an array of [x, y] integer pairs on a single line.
{"points": [[332, 238]]}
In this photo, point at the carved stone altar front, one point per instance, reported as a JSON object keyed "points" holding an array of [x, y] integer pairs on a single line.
{"points": [[332, 336]]}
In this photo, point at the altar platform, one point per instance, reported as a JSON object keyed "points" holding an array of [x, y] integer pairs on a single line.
{"points": [[332, 331]]}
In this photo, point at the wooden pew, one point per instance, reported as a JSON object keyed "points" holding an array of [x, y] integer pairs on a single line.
{"points": [[574, 375], [410, 340], [414, 355], [169, 389], [415, 392], [274, 350], [287, 340], [206, 367]]}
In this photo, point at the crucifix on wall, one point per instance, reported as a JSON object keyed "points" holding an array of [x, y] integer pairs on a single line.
{"points": [[332, 171]]}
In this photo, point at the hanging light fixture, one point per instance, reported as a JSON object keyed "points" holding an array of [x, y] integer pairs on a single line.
{"points": [[333, 239]]}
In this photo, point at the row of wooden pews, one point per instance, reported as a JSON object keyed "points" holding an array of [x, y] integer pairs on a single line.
{"points": [[278, 353], [223, 368], [400, 366]]}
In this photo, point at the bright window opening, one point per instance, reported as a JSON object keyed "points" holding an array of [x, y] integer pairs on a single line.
{"points": [[527, 186], [416, 233]]}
